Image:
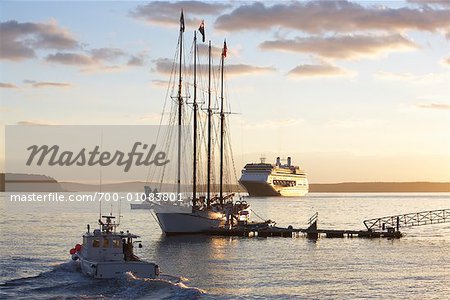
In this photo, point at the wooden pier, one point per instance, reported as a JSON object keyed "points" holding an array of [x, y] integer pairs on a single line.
{"points": [[385, 227], [298, 232]]}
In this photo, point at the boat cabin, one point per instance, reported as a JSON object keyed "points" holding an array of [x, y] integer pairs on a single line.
{"points": [[105, 244]]}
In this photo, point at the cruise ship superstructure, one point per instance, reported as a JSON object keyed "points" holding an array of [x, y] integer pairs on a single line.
{"points": [[264, 179]]}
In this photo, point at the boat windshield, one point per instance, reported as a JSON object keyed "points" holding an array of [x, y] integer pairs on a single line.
{"points": [[116, 243]]}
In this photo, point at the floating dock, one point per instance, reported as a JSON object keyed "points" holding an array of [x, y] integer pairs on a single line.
{"points": [[384, 227]]}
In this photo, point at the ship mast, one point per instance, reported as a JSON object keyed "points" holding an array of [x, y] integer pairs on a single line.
{"points": [[194, 177], [208, 182], [180, 104], [222, 119]]}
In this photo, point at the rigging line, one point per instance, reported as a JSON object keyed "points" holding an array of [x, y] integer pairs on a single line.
{"points": [[202, 147], [232, 156], [163, 112], [187, 71], [168, 141], [166, 146], [232, 175], [228, 136], [156, 219], [257, 215]]}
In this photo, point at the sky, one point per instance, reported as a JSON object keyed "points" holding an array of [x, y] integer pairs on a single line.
{"points": [[351, 90]]}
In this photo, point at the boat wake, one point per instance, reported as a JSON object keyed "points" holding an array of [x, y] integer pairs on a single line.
{"points": [[65, 281]]}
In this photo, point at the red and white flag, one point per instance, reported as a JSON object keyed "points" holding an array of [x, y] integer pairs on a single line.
{"points": [[225, 49], [202, 30]]}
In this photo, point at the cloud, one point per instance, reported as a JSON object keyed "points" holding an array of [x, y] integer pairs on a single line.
{"points": [[101, 59], [393, 76], [168, 13], [153, 118], [446, 61], [269, 124], [317, 70], [136, 60], [107, 54], [21, 40], [439, 106], [332, 16], [356, 123], [74, 59], [242, 69], [113, 54], [103, 68], [7, 85], [160, 83], [443, 3], [36, 123], [423, 79], [203, 50], [37, 84], [342, 46], [166, 67]]}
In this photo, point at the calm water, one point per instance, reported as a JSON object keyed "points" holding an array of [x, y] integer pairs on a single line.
{"points": [[36, 238]]}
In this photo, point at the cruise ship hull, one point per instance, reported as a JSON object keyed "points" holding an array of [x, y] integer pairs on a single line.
{"points": [[264, 189]]}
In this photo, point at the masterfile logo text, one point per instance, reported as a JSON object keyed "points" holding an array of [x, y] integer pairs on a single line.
{"points": [[98, 154], [53, 155]]}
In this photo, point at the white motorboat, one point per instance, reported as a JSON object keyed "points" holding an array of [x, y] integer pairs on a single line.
{"points": [[106, 253], [146, 203]]}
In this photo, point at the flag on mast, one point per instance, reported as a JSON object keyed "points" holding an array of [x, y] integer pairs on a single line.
{"points": [[202, 30], [224, 51], [182, 21]]}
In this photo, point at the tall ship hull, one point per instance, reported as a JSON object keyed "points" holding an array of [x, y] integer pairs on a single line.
{"points": [[213, 208], [264, 180], [175, 223]]}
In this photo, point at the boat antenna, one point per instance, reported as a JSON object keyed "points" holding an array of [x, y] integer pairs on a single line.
{"points": [[194, 177], [208, 181], [100, 210], [100, 179], [120, 212], [222, 119], [180, 103]]}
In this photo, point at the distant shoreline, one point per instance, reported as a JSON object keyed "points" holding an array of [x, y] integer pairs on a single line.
{"points": [[50, 184], [380, 187]]}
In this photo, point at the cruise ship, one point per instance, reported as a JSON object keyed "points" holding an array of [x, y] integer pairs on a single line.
{"points": [[263, 179]]}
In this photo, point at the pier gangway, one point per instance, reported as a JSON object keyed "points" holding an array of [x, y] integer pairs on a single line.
{"points": [[408, 220]]}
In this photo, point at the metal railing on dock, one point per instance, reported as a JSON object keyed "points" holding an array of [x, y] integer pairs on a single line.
{"points": [[313, 218], [409, 220]]}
